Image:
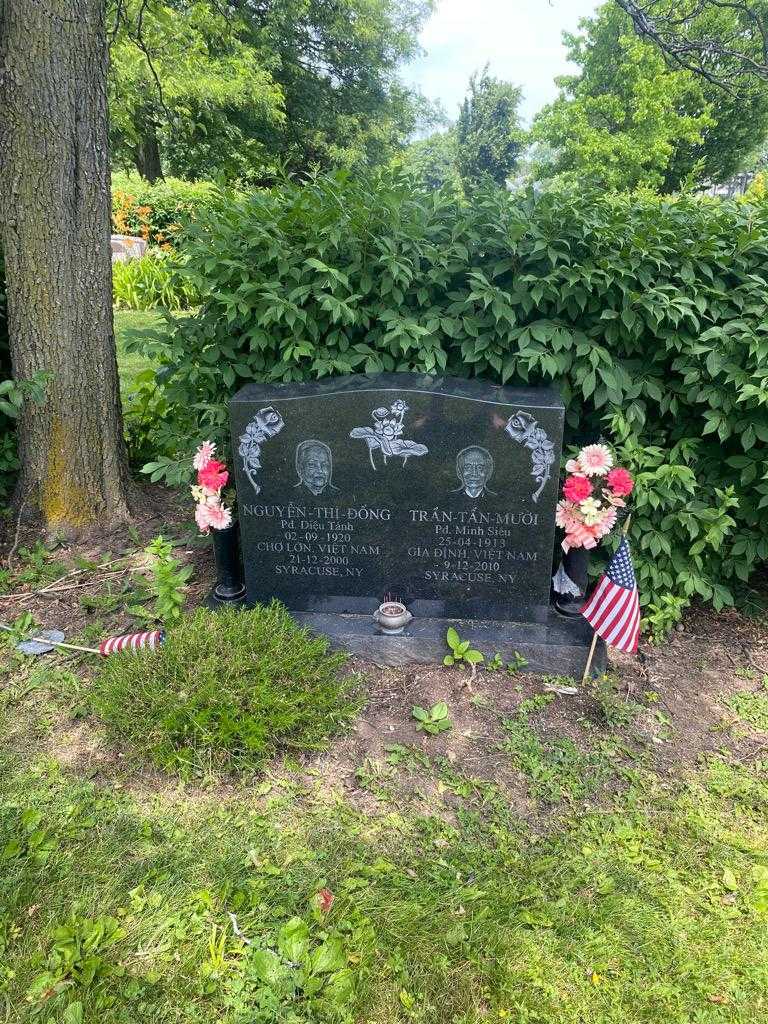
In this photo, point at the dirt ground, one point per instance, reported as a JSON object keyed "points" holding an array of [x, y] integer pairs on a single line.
{"points": [[665, 709]]}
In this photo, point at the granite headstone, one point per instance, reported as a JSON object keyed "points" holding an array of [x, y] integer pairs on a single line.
{"points": [[436, 492]]}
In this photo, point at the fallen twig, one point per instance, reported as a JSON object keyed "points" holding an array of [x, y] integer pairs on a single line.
{"points": [[83, 583], [236, 930], [54, 585]]}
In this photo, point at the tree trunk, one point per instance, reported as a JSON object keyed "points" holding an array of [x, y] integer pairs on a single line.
{"points": [[55, 209], [148, 157]]}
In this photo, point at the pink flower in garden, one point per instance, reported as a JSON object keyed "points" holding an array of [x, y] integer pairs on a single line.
{"points": [[595, 459], [204, 454], [219, 517], [573, 466], [213, 475], [620, 481], [577, 488]]}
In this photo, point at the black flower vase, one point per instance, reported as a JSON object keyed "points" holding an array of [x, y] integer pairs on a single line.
{"points": [[576, 565], [229, 587]]}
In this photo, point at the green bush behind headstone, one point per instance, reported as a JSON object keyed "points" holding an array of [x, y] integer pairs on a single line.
{"points": [[650, 315]]}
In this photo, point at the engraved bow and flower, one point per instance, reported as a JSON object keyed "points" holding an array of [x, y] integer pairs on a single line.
{"points": [[524, 429], [386, 434], [265, 424]]}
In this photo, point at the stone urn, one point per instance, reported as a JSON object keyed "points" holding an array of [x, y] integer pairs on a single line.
{"points": [[392, 617]]}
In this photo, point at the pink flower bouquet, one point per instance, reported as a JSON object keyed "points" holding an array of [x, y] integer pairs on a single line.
{"points": [[212, 477], [593, 493]]}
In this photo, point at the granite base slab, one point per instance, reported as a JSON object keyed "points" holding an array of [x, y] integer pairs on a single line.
{"points": [[557, 646]]}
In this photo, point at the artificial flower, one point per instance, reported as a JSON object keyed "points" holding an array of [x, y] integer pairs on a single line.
{"points": [[591, 511], [205, 494], [592, 495], [607, 523], [595, 459], [219, 517], [577, 488], [202, 517], [566, 515], [213, 475], [579, 537], [620, 481], [204, 454]]}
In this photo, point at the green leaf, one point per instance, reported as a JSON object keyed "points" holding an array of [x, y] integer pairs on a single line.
{"points": [[293, 939], [328, 957], [729, 880], [73, 1014], [266, 966]]}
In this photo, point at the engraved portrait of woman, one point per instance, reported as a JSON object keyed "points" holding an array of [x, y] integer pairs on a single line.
{"points": [[314, 466], [474, 468]]}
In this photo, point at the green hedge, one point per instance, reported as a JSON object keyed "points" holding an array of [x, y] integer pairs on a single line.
{"points": [[649, 315]]}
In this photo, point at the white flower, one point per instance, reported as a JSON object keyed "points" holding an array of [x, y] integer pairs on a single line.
{"points": [[595, 460], [592, 511]]}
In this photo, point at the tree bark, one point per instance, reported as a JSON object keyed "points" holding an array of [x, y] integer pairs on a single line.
{"points": [[55, 209], [148, 162]]}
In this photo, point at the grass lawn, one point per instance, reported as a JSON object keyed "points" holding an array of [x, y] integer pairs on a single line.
{"points": [[130, 323]]}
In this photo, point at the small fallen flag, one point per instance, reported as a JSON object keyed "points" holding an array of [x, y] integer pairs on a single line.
{"points": [[49, 639], [613, 610], [151, 638]]}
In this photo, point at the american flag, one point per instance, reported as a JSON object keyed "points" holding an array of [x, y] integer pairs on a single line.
{"points": [[613, 610]]}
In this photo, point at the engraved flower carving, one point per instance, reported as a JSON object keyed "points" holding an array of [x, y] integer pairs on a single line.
{"points": [[523, 428], [386, 434], [388, 423], [269, 420], [265, 424]]}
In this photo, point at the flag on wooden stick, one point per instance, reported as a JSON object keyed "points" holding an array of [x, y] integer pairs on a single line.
{"points": [[613, 610]]}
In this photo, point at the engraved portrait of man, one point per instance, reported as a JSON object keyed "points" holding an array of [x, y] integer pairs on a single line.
{"points": [[474, 468], [314, 466]]}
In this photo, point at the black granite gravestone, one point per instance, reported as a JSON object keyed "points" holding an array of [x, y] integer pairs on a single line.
{"points": [[437, 492]]}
